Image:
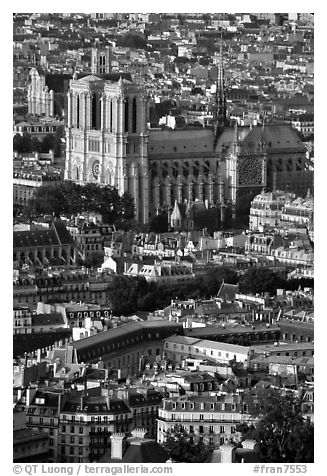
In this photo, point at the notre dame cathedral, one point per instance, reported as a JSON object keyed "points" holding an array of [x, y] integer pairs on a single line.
{"points": [[108, 141]]}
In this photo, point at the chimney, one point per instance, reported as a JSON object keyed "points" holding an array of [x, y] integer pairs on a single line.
{"points": [[227, 452], [249, 444], [117, 445], [30, 392], [38, 356], [139, 433], [19, 393], [59, 403]]}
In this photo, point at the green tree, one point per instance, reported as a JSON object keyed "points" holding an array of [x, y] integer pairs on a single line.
{"points": [[17, 143], [159, 223], [180, 448], [94, 260], [60, 132], [282, 434], [181, 60], [70, 198], [260, 280], [36, 145], [125, 294], [214, 277], [49, 200], [26, 143], [47, 143], [132, 40]]}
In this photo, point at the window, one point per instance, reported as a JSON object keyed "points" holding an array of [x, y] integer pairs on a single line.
{"points": [[72, 429], [201, 429], [222, 429], [201, 416], [72, 439], [71, 451], [63, 428], [191, 428], [80, 430]]}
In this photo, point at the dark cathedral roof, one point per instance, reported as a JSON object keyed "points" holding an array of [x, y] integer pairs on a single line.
{"points": [[275, 136]]}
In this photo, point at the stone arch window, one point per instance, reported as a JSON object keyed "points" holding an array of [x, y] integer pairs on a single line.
{"points": [[279, 165], [186, 169], [126, 114], [164, 169], [195, 171], [154, 171], [110, 117], [93, 111], [289, 165], [134, 115], [77, 110], [299, 164]]}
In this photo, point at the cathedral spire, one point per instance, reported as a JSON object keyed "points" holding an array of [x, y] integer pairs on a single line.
{"points": [[219, 116]]}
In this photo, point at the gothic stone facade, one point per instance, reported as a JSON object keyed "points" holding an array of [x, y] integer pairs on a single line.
{"points": [[108, 142]]}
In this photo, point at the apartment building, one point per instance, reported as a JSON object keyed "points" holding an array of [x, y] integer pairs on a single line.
{"points": [[207, 419]]}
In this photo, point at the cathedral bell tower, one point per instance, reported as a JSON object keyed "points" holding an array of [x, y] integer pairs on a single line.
{"points": [[219, 115], [106, 137]]}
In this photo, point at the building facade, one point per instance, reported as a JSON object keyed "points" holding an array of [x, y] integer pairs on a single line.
{"points": [[207, 419]]}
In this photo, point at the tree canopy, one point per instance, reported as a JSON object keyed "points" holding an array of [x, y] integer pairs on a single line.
{"points": [[132, 40], [27, 144], [159, 223], [214, 277], [71, 198], [260, 280], [282, 434], [181, 449]]}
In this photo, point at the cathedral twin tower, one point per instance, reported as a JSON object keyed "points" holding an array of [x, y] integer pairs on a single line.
{"points": [[108, 142], [106, 137]]}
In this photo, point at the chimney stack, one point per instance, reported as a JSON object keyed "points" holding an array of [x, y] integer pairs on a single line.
{"points": [[38, 356], [249, 444], [139, 433], [117, 445], [227, 452]]}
